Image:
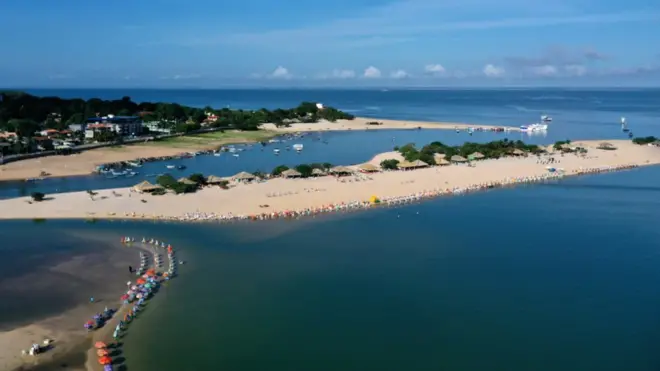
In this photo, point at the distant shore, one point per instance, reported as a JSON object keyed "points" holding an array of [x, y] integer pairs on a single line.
{"points": [[277, 195], [85, 162]]}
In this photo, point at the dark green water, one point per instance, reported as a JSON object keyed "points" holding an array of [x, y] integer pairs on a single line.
{"points": [[552, 277]]}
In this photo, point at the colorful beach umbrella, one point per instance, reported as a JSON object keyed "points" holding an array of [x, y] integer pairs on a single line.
{"points": [[124, 297], [107, 368], [105, 360], [102, 352], [100, 345]]}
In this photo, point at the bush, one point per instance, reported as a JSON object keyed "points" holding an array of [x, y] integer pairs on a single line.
{"points": [[391, 164], [38, 196], [278, 170], [168, 181], [198, 178], [645, 140]]}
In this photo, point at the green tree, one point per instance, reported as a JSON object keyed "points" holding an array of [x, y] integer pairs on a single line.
{"points": [[391, 164], [38, 196], [279, 169], [24, 127], [304, 170]]}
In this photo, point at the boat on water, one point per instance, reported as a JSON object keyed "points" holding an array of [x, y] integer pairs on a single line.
{"points": [[217, 154], [236, 155], [534, 128], [276, 151], [181, 167], [133, 163], [546, 118], [298, 147], [170, 166]]}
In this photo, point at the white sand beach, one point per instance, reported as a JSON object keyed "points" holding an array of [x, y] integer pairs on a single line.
{"points": [[360, 123], [302, 195]]}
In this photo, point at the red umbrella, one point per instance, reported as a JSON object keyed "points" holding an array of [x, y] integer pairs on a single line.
{"points": [[102, 352], [124, 297], [100, 345], [105, 360], [90, 322]]}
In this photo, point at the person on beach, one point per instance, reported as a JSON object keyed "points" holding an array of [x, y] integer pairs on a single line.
{"points": [[130, 269], [91, 299]]}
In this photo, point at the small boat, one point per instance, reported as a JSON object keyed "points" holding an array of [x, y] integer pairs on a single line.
{"points": [[276, 151], [217, 154], [298, 147], [546, 118], [181, 167], [236, 155], [170, 166]]}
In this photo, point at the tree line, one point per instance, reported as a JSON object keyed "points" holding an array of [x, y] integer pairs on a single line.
{"points": [[494, 149], [25, 113]]}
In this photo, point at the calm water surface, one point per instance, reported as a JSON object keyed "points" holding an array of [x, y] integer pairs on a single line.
{"points": [[551, 277], [578, 114]]}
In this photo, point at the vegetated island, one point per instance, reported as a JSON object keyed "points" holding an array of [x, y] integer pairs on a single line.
{"points": [[31, 125], [309, 189]]}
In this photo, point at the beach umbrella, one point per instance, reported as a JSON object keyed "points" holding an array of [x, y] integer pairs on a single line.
{"points": [[100, 345], [102, 352], [107, 368], [124, 297], [105, 360], [91, 323]]}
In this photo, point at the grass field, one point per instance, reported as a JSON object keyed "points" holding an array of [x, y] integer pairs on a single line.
{"points": [[214, 139]]}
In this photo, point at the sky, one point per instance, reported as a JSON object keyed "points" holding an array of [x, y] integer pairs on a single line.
{"points": [[426, 43]]}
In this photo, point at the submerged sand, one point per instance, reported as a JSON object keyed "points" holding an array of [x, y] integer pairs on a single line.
{"points": [[63, 289], [298, 194], [86, 162]]}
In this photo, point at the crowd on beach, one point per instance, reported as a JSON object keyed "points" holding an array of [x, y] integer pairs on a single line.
{"points": [[384, 201]]}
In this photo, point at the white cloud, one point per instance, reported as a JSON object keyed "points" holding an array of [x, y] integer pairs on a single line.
{"points": [[281, 73], [343, 74], [493, 71], [371, 72], [399, 74], [189, 76], [435, 69], [546, 70], [575, 70]]}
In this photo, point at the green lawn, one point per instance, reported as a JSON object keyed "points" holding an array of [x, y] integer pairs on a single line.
{"points": [[214, 139]]}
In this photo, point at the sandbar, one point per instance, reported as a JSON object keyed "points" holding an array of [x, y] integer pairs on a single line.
{"points": [[300, 194]]}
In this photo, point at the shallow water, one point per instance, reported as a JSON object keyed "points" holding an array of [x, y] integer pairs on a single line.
{"points": [[544, 277]]}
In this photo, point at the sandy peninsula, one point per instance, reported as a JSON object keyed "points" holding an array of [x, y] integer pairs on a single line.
{"points": [[84, 163], [360, 123], [277, 195]]}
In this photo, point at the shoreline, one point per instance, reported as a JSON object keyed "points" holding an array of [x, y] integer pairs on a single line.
{"points": [[281, 197], [84, 163]]}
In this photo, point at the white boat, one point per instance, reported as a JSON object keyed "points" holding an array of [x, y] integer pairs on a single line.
{"points": [[546, 118], [170, 166], [236, 155], [534, 128], [216, 154], [298, 147], [276, 151], [623, 121]]}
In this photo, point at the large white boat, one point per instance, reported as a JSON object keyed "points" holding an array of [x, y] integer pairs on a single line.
{"points": [[298, 147], [534, 127]]}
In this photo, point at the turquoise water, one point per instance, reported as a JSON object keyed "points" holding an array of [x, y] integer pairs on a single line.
{"points": [[560, 276], [578, 114]]}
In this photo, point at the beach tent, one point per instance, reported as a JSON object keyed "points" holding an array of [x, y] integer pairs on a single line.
{"points": [[100, 345], [145, 186], [374, 200], [412, 165], [477, 156], [606, 146], [318, 172], [105, 360], [368, 168], [290, 173], [437, 156], [442, 162], [341, 170], [518, 152], [186, 181], [243, 176], [212, 179], [457, 158]]}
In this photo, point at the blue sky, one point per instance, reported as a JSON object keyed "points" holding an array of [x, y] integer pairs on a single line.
{"points": [[204, 43]]}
